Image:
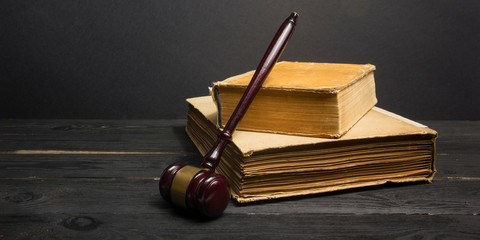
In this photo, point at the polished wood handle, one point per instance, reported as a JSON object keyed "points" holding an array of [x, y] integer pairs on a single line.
{"points": [[275, 49]]}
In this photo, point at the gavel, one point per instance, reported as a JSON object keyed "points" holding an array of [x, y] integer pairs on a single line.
{"points": [[201, 189]]}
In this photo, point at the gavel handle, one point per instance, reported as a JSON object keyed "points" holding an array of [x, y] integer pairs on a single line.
{"points": [[212, 158]]}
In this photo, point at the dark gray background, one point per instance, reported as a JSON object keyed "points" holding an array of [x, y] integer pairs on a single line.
{"points": [[141, 59]]}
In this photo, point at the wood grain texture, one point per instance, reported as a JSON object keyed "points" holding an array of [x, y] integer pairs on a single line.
{"points": [[94, 135], [306, 226], [90, 165], [95, 179], [127, 195]]}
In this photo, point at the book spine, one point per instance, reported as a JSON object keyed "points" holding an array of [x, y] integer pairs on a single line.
{"points": [[216, 99]]}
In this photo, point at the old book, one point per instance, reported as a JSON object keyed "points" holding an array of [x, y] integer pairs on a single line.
{"points": [[301, 98], [382, 147]]}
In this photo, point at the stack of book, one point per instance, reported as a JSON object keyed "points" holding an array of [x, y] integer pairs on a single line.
{"points": [[312, 128]]}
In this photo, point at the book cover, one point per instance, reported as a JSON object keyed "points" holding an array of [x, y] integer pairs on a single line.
{"points": [[301, 98]]}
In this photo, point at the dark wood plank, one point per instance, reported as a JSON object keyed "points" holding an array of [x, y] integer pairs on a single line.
{"points": [[91, 165], [458, 165], [130, 196], [94, 135], [457, 148], [128, 208], [109, 190], [456, 136], [255, 226]]}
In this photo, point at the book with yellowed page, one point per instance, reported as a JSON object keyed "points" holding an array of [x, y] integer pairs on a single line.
{"points": [[382, 147], [301, 98]]}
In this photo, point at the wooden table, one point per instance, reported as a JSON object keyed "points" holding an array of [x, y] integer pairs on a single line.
{"points": [[98, 179]]}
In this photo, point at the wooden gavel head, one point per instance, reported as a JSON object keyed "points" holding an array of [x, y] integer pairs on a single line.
{"points": [[195, 189]]}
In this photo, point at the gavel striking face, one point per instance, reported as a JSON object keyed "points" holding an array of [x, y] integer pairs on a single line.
{"points": [[195, 188], [202, 189]]}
